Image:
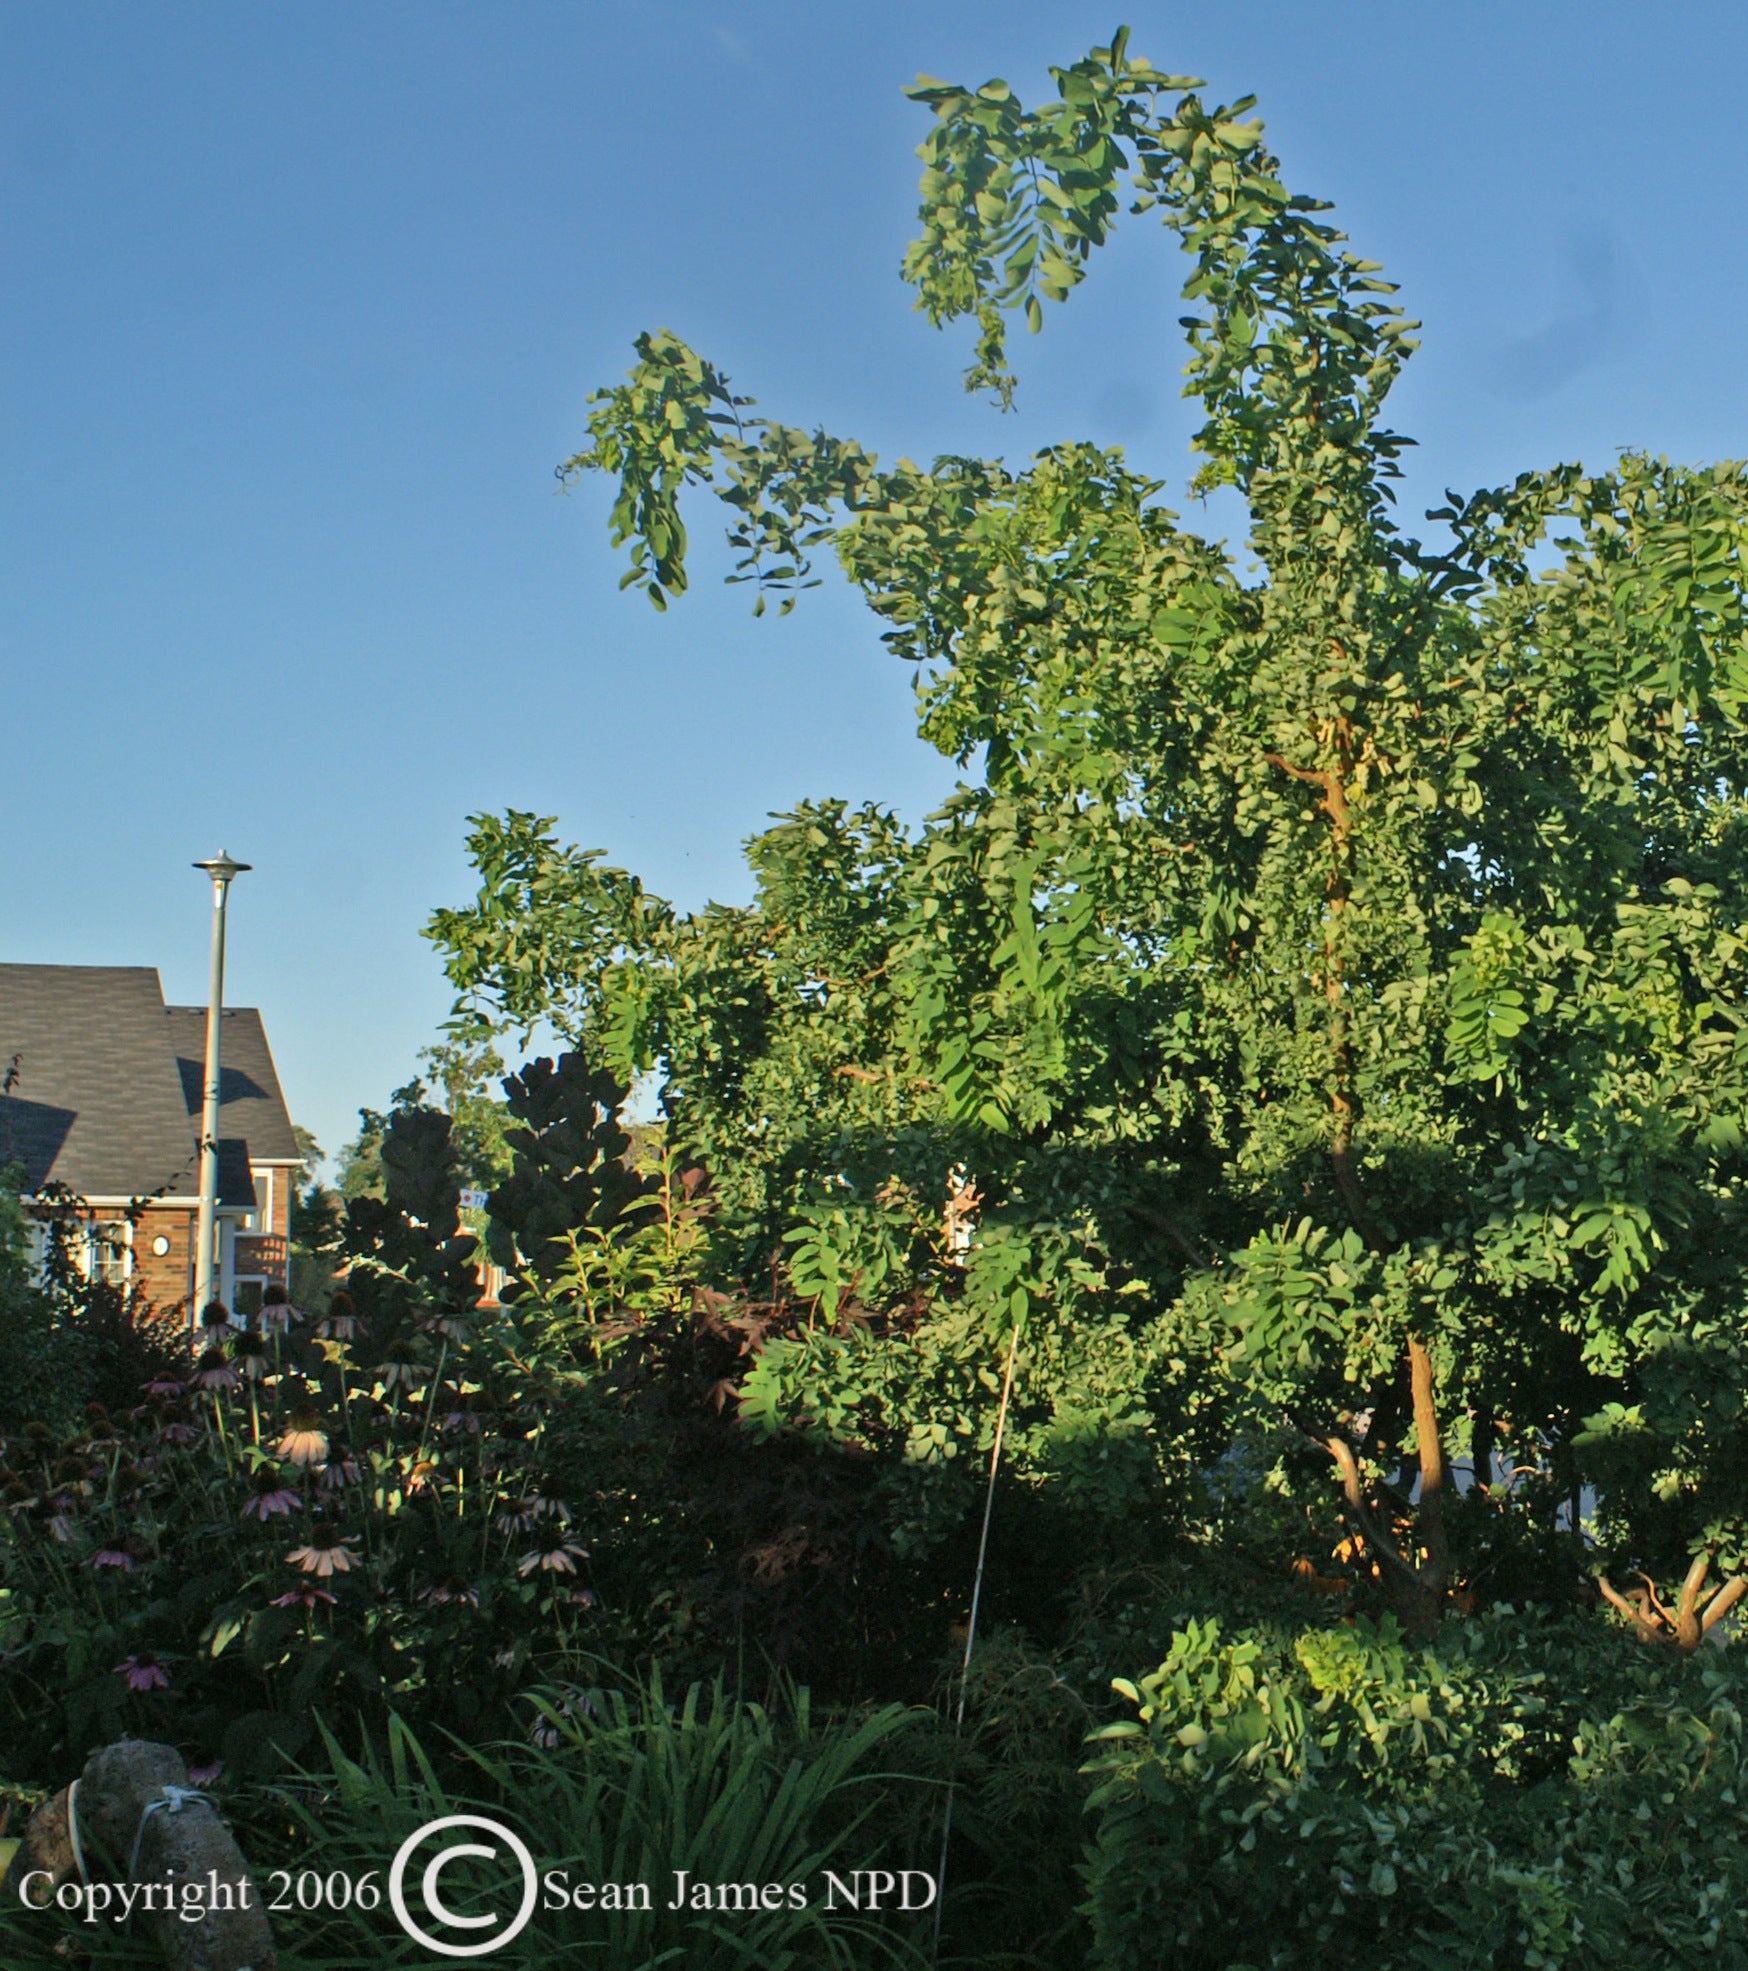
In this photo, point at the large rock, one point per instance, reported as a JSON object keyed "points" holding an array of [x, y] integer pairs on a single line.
{"points": [[181, 1841]]}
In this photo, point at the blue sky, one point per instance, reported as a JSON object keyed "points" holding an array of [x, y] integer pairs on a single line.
{"points": [[300, 306]]}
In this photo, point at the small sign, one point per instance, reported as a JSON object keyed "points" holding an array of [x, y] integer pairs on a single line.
{"points": [[474, 1200]]}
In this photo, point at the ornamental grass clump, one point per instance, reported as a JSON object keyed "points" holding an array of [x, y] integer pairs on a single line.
{"points": [[623, 1788]]}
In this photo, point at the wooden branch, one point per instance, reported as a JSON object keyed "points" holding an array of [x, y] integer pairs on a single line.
{"points": [[1645, 1630], [1723, 1601], [1158, 1222], [1687, 1625], [1655, 1600], [1432, 1461], [1315, 776], [1354, 1491], [1353, 1194]]}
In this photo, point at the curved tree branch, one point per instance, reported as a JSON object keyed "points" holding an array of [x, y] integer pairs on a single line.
{"points": [[1645, 1629]]}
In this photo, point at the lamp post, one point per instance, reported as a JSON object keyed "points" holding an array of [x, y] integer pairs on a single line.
{"points": [[221, 869]]}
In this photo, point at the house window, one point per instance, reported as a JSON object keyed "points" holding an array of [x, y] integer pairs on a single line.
{"points": [[105, 1254], [103, 1250], [98, 1249]]}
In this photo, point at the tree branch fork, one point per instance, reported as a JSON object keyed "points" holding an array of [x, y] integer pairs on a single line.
{"points": [[1686, 1625]]}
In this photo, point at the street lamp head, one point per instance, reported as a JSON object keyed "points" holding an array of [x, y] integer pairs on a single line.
{"points": [[221, 868]]}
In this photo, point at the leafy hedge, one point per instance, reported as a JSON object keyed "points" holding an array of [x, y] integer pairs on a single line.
{"points": [[1276, 1798]]}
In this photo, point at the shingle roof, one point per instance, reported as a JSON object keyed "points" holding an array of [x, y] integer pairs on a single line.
{"points": [[96, 1100], [251, 1108]]}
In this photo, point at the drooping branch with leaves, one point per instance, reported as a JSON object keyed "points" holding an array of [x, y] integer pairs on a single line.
{"points": [[1349, 960]]}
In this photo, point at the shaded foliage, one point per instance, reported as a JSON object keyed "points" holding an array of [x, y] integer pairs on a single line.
{"points": [[569, 1163]]}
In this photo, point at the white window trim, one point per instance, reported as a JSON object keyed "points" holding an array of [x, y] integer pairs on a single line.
{"points": [[117, 1234]]}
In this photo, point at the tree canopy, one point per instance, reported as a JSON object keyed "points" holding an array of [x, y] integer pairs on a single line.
{"points": [[1318, 1017]]}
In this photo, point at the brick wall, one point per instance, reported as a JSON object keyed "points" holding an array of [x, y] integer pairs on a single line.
{"points": [[163, 1278]]}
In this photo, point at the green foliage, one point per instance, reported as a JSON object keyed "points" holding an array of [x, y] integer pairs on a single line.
{"points": [[409, 1241], [569, 1164], [1346, 937], [1278, 1798], [459, 1073], [70, 1337], [621, 1786], [47, 1364], [1105, 1420]]}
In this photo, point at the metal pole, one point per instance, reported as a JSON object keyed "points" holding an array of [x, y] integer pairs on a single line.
{"points": [[1001, 1424], [221, 869]]}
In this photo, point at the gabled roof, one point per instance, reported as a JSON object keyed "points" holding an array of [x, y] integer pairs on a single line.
{"points": [[251, 1108], [96, 1098]]}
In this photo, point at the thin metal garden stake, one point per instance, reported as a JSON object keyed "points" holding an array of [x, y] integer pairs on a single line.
{"points": [[1001, 1424]]}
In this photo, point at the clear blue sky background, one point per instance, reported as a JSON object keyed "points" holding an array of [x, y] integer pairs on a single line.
{"points": [[299, 307]]}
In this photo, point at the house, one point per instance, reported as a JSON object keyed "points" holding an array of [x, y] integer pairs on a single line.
{"points": [[100, 1092]]}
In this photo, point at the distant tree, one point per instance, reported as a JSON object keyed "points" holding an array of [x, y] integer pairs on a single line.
{"points": [[460, 1075]]}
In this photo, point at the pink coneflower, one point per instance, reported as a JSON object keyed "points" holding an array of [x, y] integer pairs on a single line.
{"points": [[303, 1598], [61, 1519], [341, 1469], [162, 1387], [453, 1326], [144, 1672], [548, 1505], [277, 1315], [397, 1368], [249, 1353], [452, 1588], [325, 1552], [518, 1516], [213, 1371], [113, 1557], [584, 1597], [543, 1734], [305, 1441], [273, 1497], [205, 1773], [559, 1558], [340, 1323], [215, 1320]]}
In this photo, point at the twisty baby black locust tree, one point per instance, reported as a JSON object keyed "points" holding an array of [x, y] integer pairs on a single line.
{"points": [[1351, 942]]}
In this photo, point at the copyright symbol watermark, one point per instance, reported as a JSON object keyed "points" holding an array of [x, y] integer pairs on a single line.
{"points": [[431, 1891]]}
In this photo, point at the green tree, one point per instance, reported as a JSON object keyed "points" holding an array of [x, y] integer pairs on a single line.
{"points": [[571, 1165], [1341, 944], [47, 1363], [460, 1073]]}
